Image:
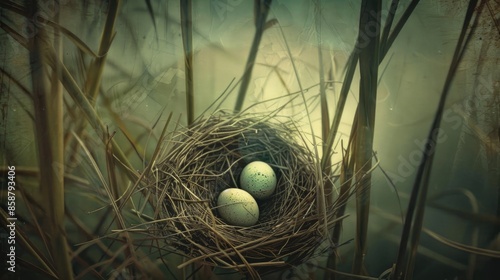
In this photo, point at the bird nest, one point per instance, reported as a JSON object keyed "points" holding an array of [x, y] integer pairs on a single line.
{"points": [[203, 160]]}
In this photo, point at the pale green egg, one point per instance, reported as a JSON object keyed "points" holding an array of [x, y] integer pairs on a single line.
{"points": [[237, 207], [258, 178]]}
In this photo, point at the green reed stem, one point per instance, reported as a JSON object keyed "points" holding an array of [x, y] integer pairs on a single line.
{"points": [[346, 175], [94, 73], [187, 40], [351, 68], [261, 11], [344, 92], [387, 43], [368, 44], [387, 26], [48, 108], [416, 208], [325, 117], [89, 112]]}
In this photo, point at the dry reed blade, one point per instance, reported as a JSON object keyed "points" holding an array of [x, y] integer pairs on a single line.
{"points": [[14, 34], [491, 220], [260, 13], [388, 24], [368, 44], [57, 27], [129, 192], [187, 41], [320, 194], [76, 93], [123, 128], [463, 247], [23, 89], [399, 26], [115, 193], [427, 162], [90, 114], [151, 14], [351, 67], [111, 188], [34, 252], [453, 244], [33, 206], [346, 175], [349, 74], [325, 118], [110, 166], [94, 73], [414, 218], [48, 108], [344, 92], [474, 206]]}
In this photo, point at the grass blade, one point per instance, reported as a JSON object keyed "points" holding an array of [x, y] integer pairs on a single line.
{"points": [[325, 119], [399, 26], [368, 46], [28, 245], [96, 69], [411, 230], [48, 108], [151, 14], [346, 86], [90, 114], [261, 11], [388, 24], [346, 175], [187, 40], [70, 35]]}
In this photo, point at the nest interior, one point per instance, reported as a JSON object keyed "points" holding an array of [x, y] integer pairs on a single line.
{"points": [[203, 160]]}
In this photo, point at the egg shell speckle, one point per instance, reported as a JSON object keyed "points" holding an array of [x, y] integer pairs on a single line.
{"points": [[237, 207], [258, 178]]}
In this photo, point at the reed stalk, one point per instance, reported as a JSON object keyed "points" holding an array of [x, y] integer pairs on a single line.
{"points": [[351, 68], [90, 114], [387, 25], [48, 108], [368, 45], [412, 228], [325, 118], [94, 72], [339, 110], [387, 39], [261, 11], [187, 40], [346, 176], [85, 99]]}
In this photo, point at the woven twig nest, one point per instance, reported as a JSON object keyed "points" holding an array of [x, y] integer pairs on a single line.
{"points": [[207, 158]]}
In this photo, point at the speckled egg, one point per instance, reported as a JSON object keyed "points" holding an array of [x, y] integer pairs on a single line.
{"points": [[237, 207], [258, 178]]}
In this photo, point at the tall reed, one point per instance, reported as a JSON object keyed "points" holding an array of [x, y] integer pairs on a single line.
{"points": [[48, 108], [261, 10], [187, 41], [404, 266]]}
